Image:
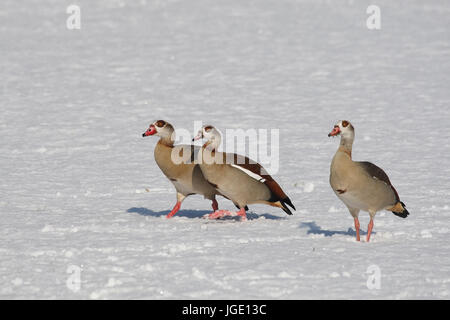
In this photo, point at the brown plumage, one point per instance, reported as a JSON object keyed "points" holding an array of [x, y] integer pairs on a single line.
{"points": [[237, 177], [177, 162], [361, 185]]}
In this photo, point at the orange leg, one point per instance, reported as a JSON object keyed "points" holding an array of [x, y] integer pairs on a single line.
{"points": [[369, 229], [174, 210], [241, 213], [357, 229], [221, 213]]}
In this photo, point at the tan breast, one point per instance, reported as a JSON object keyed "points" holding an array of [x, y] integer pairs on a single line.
{"points": [[358, 189], [178, 165]]}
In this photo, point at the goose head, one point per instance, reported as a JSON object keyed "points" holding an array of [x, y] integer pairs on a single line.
{"points": [[159, 128]]}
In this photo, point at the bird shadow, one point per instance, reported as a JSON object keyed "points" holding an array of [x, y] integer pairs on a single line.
{"points": [[315, 229], [195, 214], [268, 216], [182, 213]]}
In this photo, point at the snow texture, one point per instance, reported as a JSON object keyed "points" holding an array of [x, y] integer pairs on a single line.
{"points": [[80, 190]]}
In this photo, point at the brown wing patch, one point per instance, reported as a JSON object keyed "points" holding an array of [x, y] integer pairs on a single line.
{"points": [[276, 189], [258, 169], [379, 174], [208, 128]]}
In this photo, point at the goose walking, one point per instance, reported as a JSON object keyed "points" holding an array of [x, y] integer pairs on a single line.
{"points": [[361, 185], [237, 178], [181, 170]]}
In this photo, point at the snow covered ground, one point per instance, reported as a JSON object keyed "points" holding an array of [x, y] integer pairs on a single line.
{"points": [[74, 169]]}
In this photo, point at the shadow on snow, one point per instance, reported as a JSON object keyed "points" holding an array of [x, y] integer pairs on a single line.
{"points": [[193, 214], [315, 229]]}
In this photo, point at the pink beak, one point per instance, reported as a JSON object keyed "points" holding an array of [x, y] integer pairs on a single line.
{"points": [[335, 131], [151, 131]]}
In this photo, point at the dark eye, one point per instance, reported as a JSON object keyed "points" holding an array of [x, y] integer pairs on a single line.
{"points": [[345, 123]]}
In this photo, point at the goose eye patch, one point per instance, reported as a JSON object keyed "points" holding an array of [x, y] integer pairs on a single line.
{"points": [[160, 123]]}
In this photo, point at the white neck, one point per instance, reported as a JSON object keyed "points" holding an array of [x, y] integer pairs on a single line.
{"points": [[213, 143], [168, 137], [347, 141]]}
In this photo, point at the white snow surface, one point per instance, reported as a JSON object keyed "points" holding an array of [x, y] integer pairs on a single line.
{"points": [[79, 185]]}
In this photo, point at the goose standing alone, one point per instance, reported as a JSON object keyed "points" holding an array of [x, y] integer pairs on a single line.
{"points": [[361, 185], [184, 173], [237, 178]]}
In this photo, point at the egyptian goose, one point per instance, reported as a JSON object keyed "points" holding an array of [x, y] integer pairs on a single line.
{"points": [[178, 165], [237, 178], [361, 185]]}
